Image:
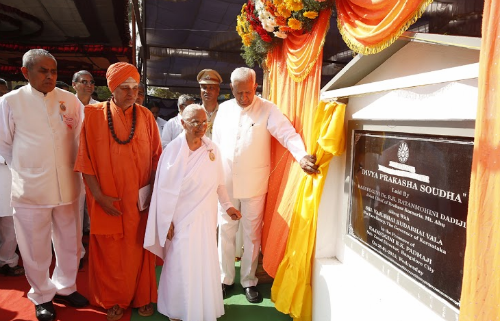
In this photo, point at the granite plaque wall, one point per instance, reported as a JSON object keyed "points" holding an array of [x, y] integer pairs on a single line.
{"points": [[408, 203]]}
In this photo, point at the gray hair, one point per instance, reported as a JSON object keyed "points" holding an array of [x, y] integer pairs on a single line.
{"points": [[30, 57], [183, 99], [190, 110], [77, 75], [3, 82], [243, 74]]}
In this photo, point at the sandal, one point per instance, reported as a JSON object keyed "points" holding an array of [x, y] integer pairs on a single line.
{"points": [[115, 313], [12, 271], [146, 311]]}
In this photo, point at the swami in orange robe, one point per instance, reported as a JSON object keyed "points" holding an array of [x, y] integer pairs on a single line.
{"points": [[117, 158]]}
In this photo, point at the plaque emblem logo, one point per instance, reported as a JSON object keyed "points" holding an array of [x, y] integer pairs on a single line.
{"points": [[403, 152]]}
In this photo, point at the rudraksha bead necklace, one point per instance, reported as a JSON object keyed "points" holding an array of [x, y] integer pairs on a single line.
{"points": [[112, 129]]}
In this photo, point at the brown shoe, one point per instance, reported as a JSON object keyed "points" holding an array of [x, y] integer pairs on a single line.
{"points": [[115, 313], [146, 311]]}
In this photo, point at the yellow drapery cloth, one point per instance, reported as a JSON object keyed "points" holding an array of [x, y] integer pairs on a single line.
{"points": [[481, 283], [291, 291], [369, 26], [297, 100]]}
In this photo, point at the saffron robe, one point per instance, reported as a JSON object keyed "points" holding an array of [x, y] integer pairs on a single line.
{"points": [[120, 270], [187, 187]]}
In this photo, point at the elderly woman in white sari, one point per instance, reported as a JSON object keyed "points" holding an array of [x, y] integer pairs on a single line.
{"points": [[182, 222]]}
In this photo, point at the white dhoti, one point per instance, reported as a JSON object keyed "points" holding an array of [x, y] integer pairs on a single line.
{"points": [[252, 211], [186, 192], [35, 229], [8, 241]]}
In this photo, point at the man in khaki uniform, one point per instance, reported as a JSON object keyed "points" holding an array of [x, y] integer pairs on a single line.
{"points": [[209, 81]]}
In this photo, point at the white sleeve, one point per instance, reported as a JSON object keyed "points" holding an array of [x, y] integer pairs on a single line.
{"points": [[166, 134], [7, 129], [224, 199], [280, 127]]}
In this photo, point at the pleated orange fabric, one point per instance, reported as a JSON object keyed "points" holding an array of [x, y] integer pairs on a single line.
{"points": [[121, 271], [369, 26], [481, 283], [294, 88]]}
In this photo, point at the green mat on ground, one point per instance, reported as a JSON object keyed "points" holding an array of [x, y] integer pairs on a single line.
{"points": [[236, 305]]}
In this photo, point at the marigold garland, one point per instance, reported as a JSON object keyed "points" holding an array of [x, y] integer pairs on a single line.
{"points": [[294, 24], [310, 14], [263, 24]]}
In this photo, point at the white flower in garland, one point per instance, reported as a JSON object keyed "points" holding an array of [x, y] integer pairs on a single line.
{"points": [[265, 17]]}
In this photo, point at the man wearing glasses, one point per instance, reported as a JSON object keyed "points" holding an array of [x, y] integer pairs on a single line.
{"points": [[84, 85]]}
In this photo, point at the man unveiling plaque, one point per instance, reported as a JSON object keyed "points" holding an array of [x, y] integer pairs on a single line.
{"points": [[409, 199]]}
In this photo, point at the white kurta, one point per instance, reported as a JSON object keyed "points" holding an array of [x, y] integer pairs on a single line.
{"points": [[187, 187], [91, 101], [171, 130], [39, 139], [160, 122], [244, 137]]}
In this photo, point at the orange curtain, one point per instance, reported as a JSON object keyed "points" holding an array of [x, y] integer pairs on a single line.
{"points": [[481, 283], [369, 26], [294, 85]]}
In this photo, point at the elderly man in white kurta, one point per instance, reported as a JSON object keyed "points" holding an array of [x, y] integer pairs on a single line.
{"points": [[183, 219], [39, 140], [8, 244], [173, 127], [243, 130]]}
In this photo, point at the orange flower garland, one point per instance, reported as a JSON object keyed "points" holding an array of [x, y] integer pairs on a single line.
{"points": [[262, 24]]}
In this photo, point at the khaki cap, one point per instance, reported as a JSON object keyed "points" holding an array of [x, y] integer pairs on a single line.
{"points": [[209, 77]]}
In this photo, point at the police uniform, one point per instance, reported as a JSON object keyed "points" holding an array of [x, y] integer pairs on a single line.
{"points": [[210, 77]]}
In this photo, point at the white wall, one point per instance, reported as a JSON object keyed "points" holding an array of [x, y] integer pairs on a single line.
{"points": [[350, 282]]}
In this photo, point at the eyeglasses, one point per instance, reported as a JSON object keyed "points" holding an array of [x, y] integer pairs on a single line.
{"points": [[197, 124], [87, 82]]}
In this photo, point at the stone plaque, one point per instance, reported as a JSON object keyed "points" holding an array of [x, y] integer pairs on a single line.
{"points": [[409, 200]]}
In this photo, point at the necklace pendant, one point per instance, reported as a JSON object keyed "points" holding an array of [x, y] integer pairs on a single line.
{"points": [[211, 155]]}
